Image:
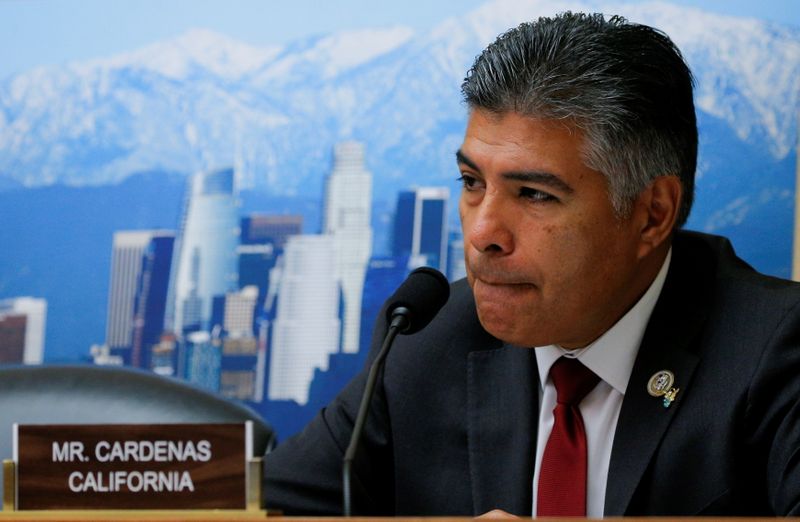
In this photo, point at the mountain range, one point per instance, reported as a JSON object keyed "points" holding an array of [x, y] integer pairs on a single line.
{"points": [[204, 100]]}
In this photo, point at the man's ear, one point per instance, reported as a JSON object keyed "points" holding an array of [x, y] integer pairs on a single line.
{"points": [[658, 207]]}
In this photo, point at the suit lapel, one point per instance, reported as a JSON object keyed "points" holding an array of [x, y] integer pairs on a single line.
{"points": [[669, 344], [502, 415]]}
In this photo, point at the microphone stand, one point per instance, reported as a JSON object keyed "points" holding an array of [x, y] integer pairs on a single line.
{"points": [[400, 321]]}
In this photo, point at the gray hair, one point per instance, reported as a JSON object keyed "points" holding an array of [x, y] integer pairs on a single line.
{"points": [[625, 86]]}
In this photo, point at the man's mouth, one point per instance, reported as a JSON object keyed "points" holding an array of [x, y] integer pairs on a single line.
{"points": [[498, 287]]}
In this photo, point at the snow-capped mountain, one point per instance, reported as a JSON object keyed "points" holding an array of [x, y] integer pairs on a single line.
{"points": [[203, 100]]}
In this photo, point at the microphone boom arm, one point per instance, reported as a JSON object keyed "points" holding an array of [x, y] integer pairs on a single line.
{"points": [[400, 322]]}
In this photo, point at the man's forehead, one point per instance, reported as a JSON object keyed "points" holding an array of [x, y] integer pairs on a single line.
{"points": [[542, 119], [520, 135]]}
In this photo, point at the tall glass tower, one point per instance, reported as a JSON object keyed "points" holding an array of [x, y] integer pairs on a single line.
{"points": [[204, 264], [420, 226], [348, 200], [151, 298]]}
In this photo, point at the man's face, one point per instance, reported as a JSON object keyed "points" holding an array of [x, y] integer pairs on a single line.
{"points": [[548, 260]]}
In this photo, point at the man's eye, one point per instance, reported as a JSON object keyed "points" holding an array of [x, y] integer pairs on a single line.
{"points": [[536, 195], [469, 182]]}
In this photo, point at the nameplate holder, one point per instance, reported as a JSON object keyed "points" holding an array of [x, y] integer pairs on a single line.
{"points": [[134, 466]]}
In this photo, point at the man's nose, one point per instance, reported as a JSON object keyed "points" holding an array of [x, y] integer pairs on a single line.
{"points": [[490, 231]]}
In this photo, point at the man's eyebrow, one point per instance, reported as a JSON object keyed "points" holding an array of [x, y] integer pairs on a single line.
{"points": [[462, 158], [544, 178]]}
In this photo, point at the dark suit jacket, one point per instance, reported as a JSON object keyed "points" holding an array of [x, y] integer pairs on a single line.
{"points": [[453, 428]]}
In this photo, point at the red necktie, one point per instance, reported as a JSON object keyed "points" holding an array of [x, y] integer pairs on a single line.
{"points": [[562, 479]]}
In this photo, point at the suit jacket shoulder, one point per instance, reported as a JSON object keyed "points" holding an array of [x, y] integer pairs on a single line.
{"points": [[725, 444]]}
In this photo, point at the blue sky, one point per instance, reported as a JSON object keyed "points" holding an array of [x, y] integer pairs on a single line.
{"points": [[45, 32]]}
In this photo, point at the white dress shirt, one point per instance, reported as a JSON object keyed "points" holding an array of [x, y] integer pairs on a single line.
{"points": [[611, 357]]}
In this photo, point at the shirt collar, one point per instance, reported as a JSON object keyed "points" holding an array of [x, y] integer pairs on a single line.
{"points": [[611, 356]]}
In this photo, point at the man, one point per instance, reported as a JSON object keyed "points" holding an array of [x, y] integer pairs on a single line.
{"points": [[577, 167]]}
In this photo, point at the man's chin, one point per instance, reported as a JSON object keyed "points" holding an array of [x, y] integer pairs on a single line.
{"points": [[502, 327]]}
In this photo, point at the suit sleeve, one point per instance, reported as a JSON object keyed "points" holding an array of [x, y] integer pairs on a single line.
{"points": [[303, 475]]}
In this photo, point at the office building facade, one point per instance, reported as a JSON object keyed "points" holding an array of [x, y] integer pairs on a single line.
{"points": [[204, 263], [307, 326], [420, 226], [126, 267], [273, 229], [347, 213], [151, 296], [23, 322]]}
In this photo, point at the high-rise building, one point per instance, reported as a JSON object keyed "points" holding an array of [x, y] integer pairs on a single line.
{"points": [[151, 296], [255, 263], [264, 327], [262, 240], [12, 338], [384, 275], [420, 226], [348, 200], [126, 267], [239, 368], [307, 323], [274, 229], [203, 355], [22, 330], [163, 356], [239, 314], [457, 268], [204, 262]]}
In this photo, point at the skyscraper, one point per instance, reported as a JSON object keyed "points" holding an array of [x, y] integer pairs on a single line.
{"points": [[204, 262], [202, 360], [456, 266], [151, 296], [126, 266], [22, 330], [12, 338], [163, 356], [274, 229], [255, 263], [384, 275], [262, 239], [306, 328], [239, 368], [239, 364], [239, 312], [420, 226], [348, 200]]}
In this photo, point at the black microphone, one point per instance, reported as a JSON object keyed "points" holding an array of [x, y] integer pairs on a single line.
{"points": [[418, 300], [413, 305]]}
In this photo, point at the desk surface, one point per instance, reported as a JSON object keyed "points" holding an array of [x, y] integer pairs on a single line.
{"points": [[244, 516], [137, 515]]}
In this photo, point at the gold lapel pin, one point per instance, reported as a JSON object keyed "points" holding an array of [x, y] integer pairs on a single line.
{"points": [[660, 385], [670, 396]]}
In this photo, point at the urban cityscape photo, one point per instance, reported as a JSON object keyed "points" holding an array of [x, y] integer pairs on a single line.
{"points": [[234, 215]]}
